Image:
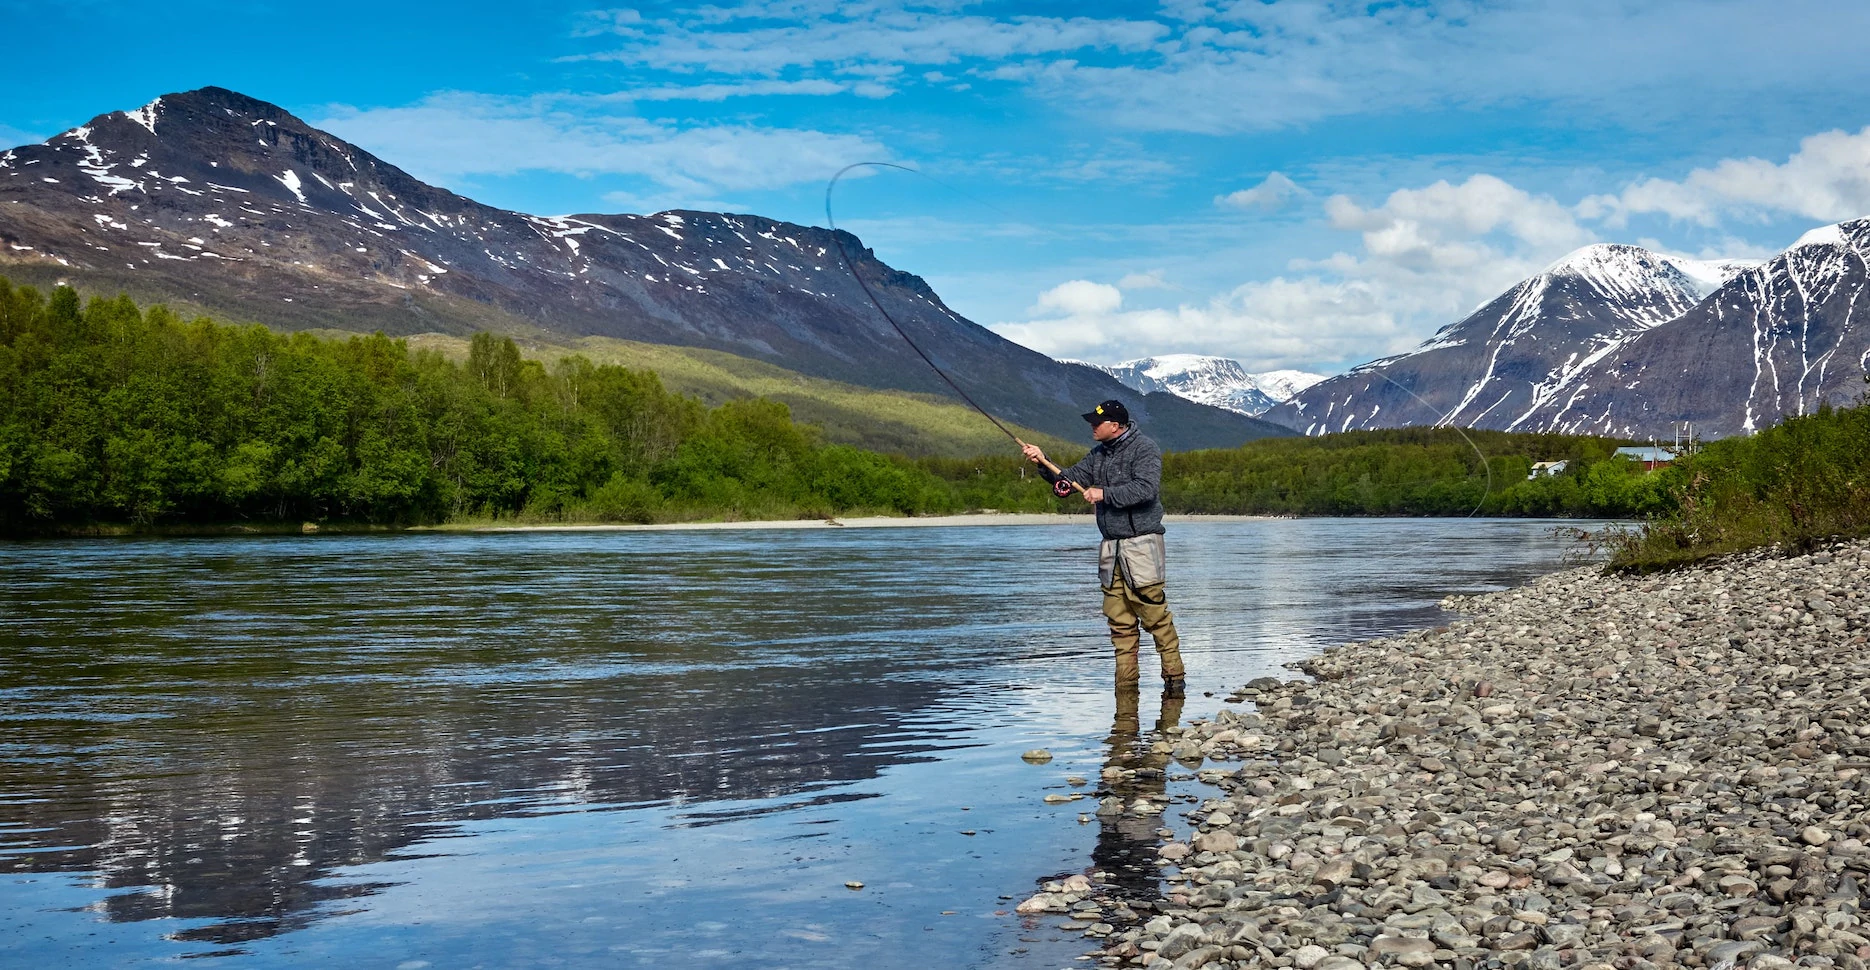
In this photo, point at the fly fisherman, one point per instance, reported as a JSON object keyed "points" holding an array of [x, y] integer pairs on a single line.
{"points": [[1122, 477]]}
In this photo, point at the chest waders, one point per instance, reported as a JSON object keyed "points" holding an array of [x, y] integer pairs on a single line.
{"points": [[1135, 601]]}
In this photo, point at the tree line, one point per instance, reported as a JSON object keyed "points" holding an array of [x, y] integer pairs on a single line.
{"points": [[113, 413]]}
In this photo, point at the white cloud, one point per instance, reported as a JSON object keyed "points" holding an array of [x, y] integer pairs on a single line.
{"points": [[1273, 192], [1827, 179], [451, 135], [1449, 227], [1080, 298]]}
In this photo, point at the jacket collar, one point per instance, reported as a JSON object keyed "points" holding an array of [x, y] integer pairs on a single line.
{"points": [[1128, 435]]}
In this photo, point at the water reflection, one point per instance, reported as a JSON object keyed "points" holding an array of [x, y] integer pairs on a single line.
{"points": [[237, 741], [214, 738], [234, 812], [1136, 768]]}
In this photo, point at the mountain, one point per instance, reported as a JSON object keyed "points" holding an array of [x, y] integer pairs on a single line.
{"points": [[1530, 354], [1215, 381], [218, 203], [1780, 338]]}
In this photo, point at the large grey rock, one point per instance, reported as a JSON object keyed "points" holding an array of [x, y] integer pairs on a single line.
{"points": [[1180, 940]]}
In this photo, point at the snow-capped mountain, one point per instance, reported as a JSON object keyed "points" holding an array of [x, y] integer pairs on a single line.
{"points": [[1217, 381], [214, 202], [1779, 338], [1523, 356]]}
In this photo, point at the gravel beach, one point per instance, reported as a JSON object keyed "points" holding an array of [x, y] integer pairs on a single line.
{"points": [[1591, 771]]}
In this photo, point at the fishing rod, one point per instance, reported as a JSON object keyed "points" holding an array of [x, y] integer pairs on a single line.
{"points": [[1057, 487], [1064, 487]]}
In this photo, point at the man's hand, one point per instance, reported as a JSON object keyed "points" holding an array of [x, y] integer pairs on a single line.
{"points": [[1033, 454], [1093, 495]]}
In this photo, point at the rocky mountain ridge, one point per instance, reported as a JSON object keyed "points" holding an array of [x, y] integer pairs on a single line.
{"points": [[216, 202], [1618, 340]]}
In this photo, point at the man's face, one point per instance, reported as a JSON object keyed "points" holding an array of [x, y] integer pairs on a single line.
{"points": [[1106, 430]]}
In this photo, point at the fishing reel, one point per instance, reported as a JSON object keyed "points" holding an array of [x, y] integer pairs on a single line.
{"points": [[1062, 488]]}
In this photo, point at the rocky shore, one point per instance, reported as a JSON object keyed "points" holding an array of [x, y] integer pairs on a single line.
{"points": [[1589, 771]]}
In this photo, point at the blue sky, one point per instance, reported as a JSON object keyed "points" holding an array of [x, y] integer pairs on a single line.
{"points": [[1294, 184]]}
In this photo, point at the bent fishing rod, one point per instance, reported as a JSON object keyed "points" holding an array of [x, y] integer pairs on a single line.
{"points": [[1062, 487]]}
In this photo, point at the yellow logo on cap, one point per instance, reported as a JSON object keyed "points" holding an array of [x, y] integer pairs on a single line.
{"points": [[1100, 409]]}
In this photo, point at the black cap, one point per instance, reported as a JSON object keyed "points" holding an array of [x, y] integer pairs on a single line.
{"points": [[1108, 411]]}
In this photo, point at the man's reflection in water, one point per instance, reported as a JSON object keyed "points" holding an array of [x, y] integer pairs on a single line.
{"points": [[1126, 843]]}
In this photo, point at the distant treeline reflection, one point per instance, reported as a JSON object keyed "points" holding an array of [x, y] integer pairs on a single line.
{"points": [[116, 414]]}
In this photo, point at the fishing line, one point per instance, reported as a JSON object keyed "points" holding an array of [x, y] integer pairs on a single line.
{"points": [[1485, 466], [850, 267]]}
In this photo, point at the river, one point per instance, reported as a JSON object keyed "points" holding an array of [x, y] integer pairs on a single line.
{"points": [[619, 749]]}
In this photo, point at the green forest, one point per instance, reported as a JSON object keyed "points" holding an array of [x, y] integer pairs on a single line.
{"points": [[113, 415]]}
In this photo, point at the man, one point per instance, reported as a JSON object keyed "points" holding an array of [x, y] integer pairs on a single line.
{"points": [[1122, 478]]}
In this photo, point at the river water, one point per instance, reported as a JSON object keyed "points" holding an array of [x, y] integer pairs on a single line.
{"points": [[621, 749]]}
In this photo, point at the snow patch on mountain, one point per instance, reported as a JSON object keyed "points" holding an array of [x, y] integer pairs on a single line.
{"points": [[1831, 235], [1711, 274], [1217, 381], [146, 115]]}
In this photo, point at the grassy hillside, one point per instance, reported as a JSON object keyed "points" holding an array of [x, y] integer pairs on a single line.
{"points": [[887, 421]]}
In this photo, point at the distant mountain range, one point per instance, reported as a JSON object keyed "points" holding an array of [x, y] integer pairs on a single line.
{"points": [[217, 203], [1618, 340], [1216, 381]]}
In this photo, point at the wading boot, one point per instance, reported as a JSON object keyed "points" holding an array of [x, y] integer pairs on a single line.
{"points": [[1175, 686]]}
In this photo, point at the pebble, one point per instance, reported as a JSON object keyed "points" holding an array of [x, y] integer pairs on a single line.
{"points": [[1036, 756], [1588, 772]]}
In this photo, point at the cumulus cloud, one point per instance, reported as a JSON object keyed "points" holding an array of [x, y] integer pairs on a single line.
{"points": [[451, 135], [1445, 226], [1827, 179], [1271, 193], [1426, 256], [1080, 298]]}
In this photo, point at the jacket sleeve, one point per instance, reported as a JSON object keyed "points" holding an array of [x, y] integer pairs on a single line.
{"points": [[1080, 473], [1143, 481]]}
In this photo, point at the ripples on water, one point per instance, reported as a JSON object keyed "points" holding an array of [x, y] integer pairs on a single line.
{"points": [[617, 747]]}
